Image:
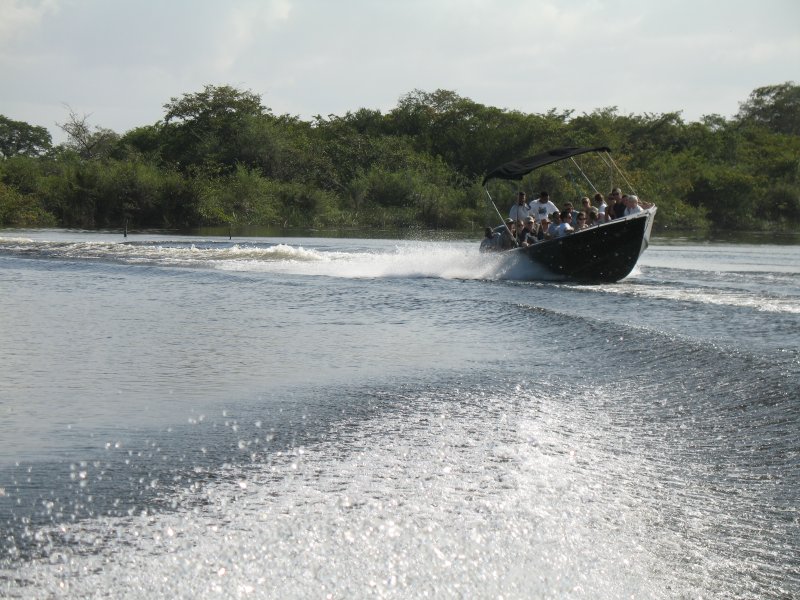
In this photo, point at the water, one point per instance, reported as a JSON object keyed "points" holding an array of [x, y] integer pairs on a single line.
{"points": [[295, 418]]}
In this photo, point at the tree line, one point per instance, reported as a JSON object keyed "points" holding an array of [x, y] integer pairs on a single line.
{"points": [[220, 157]]}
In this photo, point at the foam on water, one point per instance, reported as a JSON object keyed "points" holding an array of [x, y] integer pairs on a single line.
{"points": [[407, 260], [708, 295], [438, 498], [445, 260]]}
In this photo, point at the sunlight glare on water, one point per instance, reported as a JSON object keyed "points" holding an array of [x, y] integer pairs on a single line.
{"points": [[518, 509]]}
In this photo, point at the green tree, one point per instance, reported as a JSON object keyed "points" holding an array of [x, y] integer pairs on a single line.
{"points": [[211, 126], [469, 136], [728, 194], [88, 142], [22, 210], [220, 157], [143, 141], [775, 107], [242, 197], [69, 190], [18, 138], [23, 172]]}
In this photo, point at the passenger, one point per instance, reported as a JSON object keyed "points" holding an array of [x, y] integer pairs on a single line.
{"points": [[593, 217], [632, 205], [508, 236], [555, 223], [518, 226], [586, 204], [520, 210], [543, 207], [564, 228], [491, 240], [610, 207], [581, 221], [601, 205], [573, 214], [618, 210], [541, 232], [527, 234]]}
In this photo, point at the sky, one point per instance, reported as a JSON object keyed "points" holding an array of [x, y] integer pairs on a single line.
{"points": [[119, 61]]}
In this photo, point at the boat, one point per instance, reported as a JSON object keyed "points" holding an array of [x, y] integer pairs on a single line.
{"points": [[602, 253]]}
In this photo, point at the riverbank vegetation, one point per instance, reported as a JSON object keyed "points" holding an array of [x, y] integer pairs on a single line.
{"points": [[220, 157]]}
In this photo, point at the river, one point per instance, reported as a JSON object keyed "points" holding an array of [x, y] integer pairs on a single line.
{"points": [[187, 416]]}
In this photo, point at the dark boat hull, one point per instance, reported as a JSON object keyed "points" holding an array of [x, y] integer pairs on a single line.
{"points": [[605, 253]]}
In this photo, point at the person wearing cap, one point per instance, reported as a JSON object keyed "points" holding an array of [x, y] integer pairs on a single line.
{"points": [[527, 235], [520, 210], [543, 207]]}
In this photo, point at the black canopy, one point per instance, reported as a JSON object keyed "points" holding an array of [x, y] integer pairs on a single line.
{"points": [[517, 169]]}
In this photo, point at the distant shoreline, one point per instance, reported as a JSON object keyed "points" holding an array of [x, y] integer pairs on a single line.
{"points": [[410, 233]]}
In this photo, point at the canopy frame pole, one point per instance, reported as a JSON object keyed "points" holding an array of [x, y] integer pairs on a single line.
{"points": [[622, 173], [589, 181], [502, 220]]}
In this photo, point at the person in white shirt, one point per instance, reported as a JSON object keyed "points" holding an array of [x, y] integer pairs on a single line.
{"points": [[634, 206], [601, 205], [519, 211], [542, 207], [564, 228]]}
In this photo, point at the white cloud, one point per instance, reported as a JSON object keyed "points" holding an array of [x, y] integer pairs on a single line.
{"points": [[18, 16], [244, 23], [121, 61]]}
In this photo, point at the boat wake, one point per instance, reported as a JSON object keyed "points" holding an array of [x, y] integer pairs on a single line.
{"points": [[362, 259], [736, 298]]}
